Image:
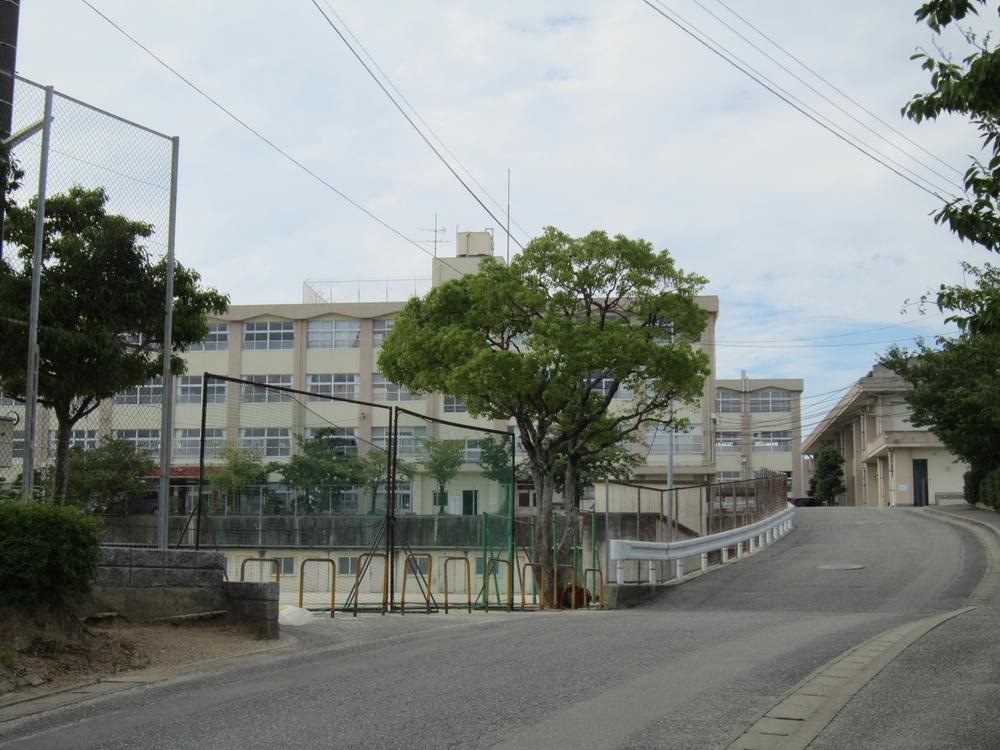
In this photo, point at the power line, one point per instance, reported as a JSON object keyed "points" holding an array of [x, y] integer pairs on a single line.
{"points": [[417, 115], [844, 94], [261, 137], [409, 119], [763, 82], [825, 98], [828, 346]]}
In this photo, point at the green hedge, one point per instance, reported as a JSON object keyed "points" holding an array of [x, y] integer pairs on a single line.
{"points": [[972, 481], [989, 489], [47, 553]]}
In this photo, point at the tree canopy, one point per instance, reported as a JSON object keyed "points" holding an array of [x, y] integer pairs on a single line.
{"points": [[442, 460], [101, 308], [581, 341], [828, 476], [322, 468]]}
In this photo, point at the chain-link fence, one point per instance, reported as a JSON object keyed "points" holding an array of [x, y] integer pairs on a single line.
{"points": [[109, 183]]}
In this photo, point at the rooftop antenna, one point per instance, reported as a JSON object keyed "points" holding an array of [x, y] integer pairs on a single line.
{"points": [[435, 231]]}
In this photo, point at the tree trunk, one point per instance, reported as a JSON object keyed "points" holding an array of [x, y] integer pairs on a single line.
{"points": [[543, 481], [62, 457]]}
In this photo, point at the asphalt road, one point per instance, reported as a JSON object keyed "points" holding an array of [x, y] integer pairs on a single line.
{"points": [[691, 670]]}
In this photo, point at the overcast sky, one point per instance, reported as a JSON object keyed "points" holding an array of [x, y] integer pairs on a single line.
{"points": [[607, 115]]}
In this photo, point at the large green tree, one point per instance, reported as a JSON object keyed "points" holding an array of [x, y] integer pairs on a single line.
{"points": [[954, 393], [968, 87], [551, 341], [101, 309]]}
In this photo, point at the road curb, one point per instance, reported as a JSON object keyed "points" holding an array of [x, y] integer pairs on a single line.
{"points": [[987, 591], [794, 722]]}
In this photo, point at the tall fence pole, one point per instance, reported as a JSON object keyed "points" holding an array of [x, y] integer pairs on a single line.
{"points": [[167, 397], [31, 381]]}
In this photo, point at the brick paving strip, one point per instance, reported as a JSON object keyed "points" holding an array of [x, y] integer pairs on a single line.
{"points": [[796, 720]]}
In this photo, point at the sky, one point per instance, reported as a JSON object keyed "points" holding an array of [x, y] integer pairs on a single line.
{"points": [[606, 115]]}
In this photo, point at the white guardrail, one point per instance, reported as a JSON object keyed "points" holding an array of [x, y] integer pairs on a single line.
{"points": [[757, 534]]}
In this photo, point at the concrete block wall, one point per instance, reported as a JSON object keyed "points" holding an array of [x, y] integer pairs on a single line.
{"points": [[152, 584], [255, 603]]}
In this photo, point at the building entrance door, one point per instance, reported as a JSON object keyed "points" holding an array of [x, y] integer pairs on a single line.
{"points": [[920, 481], [470, 502]]}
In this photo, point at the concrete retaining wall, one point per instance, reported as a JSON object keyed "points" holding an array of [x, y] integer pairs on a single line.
{"points": [[151, 584]]}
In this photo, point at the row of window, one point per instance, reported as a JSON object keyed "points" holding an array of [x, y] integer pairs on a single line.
{"points": [[762, 442], [337, 384], [348, 566], [269, 442], [280, 334], [768, 400]]}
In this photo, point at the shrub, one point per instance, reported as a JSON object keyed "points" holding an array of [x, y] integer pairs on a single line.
{"points": [[47, 553], [989, 489], [971, 482]]}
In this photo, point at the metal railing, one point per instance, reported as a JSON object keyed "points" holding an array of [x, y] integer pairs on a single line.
{"points": [[756, 534]]}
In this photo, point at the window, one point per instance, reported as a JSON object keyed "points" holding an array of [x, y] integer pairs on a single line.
{"points": [[410, 439], [216, 340], [17, 444], [526, 497], [380, 329], [454, 405], [772, 442], [347, 566], [727, 401], [189, 390], [472, 452], [287, 565], [339, 384], [269, 442], [603, 385], [770, 400], [83, 439], [344, 500], [254, 395], [143, 440], [269, 334], [147, 393], [404, 496], [727, 442], [728, 476], [384, 390], [333, 334], [689, 441], [346, 438], [419, 564], [187, 442]]}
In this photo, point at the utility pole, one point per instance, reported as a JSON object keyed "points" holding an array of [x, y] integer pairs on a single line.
{"points": [[10, 11]]}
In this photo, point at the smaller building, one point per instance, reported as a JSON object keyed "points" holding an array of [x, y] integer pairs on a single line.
{"points": [[757, 426], [887, 460]]}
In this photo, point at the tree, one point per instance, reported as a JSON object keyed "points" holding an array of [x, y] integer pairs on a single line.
{"points": [[551, 341], [243, 467], [321, 465], [101, 309], [828, 477], [374, 472], [968, 87], [113, 471], [953, 393], [442, 460]]}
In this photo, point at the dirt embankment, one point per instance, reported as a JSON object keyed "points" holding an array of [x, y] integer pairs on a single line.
{"points": [[44, 649]]}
